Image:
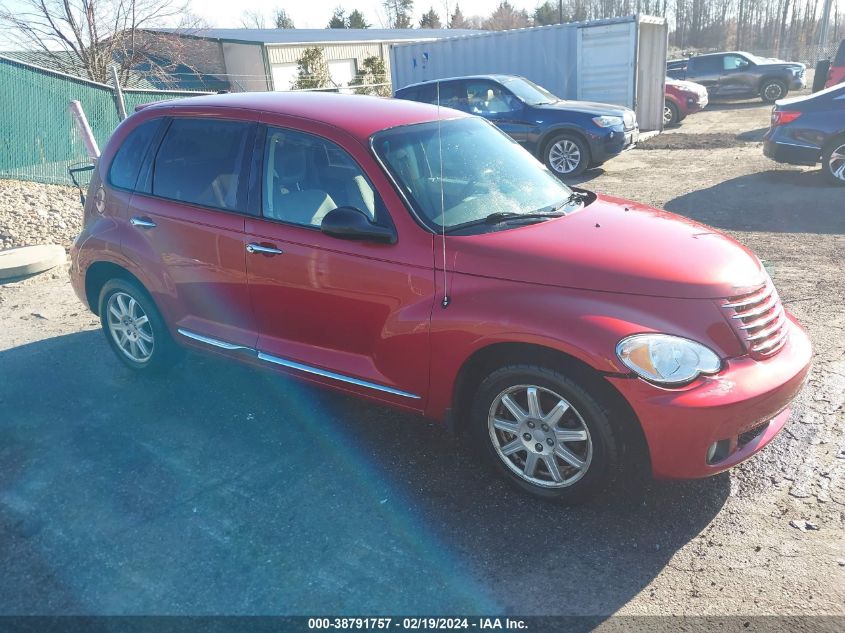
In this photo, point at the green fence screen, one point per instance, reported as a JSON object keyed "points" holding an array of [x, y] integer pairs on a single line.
{"points": [[38, 138]]}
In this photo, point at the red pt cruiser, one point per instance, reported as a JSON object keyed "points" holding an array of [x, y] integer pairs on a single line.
{"points": [[427, 262]]}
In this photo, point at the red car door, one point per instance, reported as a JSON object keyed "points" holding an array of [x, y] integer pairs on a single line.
{"points": [[186, 224], [351, 314]]}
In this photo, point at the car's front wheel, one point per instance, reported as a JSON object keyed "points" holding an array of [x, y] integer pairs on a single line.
{"points": [[833, 161], [545, 432], [772, 90], [671, 114], [567, 155], [134, 328]]}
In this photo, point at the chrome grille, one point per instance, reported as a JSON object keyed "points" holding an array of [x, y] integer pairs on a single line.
{"points": [[759, 318]]}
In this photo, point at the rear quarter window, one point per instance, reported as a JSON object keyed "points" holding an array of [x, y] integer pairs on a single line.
{"points": [[123, 172]]}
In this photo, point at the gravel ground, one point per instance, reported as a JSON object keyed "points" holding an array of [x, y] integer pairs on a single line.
{"points": [[170, 495], [33, 213]]}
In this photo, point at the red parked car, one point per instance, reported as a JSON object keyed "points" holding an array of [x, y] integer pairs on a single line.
{"points": [[435, 266], [682, 98]]}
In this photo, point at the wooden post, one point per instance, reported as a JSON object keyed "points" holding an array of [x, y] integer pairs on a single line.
{"points": [[118, 94]]}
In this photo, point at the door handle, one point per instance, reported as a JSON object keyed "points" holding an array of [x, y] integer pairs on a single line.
{"points": [[266, 250], [142, 223]]}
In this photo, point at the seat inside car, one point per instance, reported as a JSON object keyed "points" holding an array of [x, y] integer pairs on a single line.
{"points": [[289, 193]]}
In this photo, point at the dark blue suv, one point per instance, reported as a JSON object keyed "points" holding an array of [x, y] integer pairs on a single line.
{"points": [[569, 136], [807, 130]]}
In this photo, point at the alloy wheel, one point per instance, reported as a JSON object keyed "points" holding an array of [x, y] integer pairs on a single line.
{"points": [[667, 115], [836, 163], [773, 92], [130, 327], [564, 156], [540, 436]]}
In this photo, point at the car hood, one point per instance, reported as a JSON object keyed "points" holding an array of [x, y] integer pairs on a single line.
{"points": [[614, 245], [689, 86], [587, 107]]}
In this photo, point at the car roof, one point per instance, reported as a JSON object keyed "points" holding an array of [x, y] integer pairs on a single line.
{"points": [[496, 77], [360, 115]]}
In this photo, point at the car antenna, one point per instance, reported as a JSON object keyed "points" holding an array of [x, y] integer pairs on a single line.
{"points": [[445, 302]]}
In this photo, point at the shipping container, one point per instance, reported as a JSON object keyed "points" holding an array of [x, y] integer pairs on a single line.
{"points": [[620, 61]]}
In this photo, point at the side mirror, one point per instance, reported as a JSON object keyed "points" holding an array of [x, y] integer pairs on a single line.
{"points": [[349, 223]]}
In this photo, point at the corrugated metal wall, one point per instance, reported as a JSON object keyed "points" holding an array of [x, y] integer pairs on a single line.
{"points": [[607, 57], [551, 56], [546, 53], [290, 54]]}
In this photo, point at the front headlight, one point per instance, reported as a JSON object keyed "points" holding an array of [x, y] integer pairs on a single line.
{"points": [[666, 359], [607, 121]]}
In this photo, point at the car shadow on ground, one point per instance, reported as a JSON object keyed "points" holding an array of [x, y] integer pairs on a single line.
{"points": [[776, 200], [222, 489]]}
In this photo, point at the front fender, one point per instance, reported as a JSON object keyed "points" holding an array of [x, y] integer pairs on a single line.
{"points": [[586, 325]]}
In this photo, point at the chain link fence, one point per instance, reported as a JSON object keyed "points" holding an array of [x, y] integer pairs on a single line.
{"points": [[38, 139]]}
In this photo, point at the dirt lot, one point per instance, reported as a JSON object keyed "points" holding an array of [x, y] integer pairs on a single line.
{"points": [[225, 490]]}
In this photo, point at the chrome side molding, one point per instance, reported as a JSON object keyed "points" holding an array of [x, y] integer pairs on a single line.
{"points": [[289, 364], [213, 341], [308, 369]]}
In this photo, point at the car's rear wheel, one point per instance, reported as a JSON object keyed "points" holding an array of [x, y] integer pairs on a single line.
{"points": [[833, 161], [567, 155], [134, 328], [545, 432], [671, 114], [772, 90]]}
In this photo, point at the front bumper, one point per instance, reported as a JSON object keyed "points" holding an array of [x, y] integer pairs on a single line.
{"points": [[739, 410], [798, 83], [616, 141]]}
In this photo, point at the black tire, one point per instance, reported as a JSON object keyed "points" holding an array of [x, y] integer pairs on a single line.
{"points": [[561, 144], [162, 350], [671, 114], [772, 89], [831, 165], [599, 451]]}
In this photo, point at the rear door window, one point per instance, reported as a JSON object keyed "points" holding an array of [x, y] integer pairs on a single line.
{"points": [[123, 172], [707, 65], [205, 162]]}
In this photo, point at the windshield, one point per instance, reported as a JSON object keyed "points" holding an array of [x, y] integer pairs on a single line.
{"points": [[529, 92], [484, 173]]}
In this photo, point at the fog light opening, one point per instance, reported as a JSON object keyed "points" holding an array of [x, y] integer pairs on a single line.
{"points": [[718, 451]]}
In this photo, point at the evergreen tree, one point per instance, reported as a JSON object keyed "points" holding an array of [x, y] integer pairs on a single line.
{"points": [[338, 20], [356, 20], [312, 70], [458, 21], [282, 20], [399, 13], [372, 72], [431, 20], [548, 13]]}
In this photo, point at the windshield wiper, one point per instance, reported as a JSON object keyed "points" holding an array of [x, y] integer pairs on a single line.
{"points": [[507, 216]]}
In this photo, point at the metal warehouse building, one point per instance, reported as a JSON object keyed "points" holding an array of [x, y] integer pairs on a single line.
{"points": [[265, 59], [620, 61]]}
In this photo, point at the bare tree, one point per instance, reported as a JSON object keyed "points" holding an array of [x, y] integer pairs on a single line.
{"points": [[251, 19], [88, 37]]}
